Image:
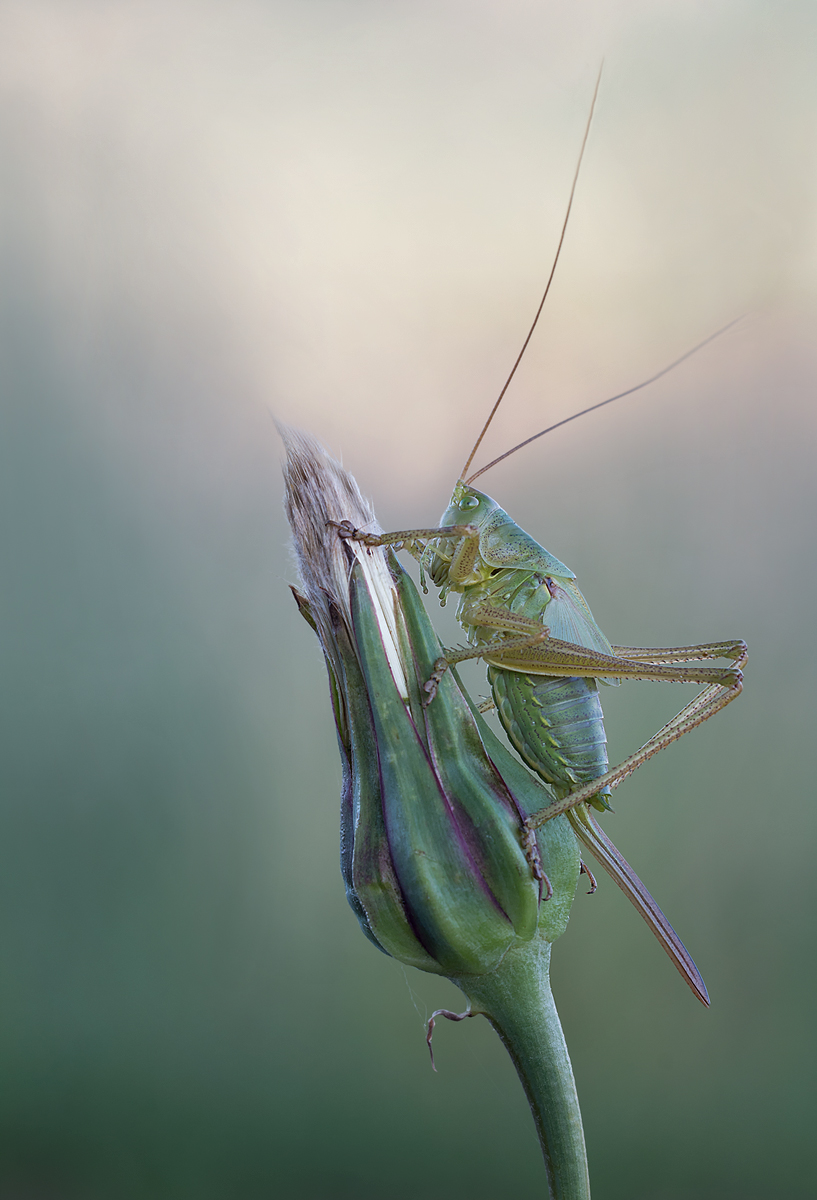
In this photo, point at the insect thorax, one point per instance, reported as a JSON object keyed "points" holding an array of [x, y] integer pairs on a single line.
{"points": [[521, 592]]}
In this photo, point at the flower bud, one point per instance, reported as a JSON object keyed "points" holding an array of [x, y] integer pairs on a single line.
{"points": [[438, 864]]}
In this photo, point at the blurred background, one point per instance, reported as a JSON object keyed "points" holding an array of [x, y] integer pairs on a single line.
{"points": [[343, 213]]}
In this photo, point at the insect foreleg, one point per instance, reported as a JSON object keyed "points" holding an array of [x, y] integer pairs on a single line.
{"points": [[347, 530], [418, 543]]}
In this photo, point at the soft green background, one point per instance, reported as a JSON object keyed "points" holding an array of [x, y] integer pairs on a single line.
{"points": [[344, 212]]}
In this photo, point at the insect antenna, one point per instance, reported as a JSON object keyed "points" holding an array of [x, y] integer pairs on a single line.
{"points": [[601, 404], [492, 413]]}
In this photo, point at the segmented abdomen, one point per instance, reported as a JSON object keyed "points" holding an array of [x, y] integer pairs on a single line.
{"points": [[555, 724]]}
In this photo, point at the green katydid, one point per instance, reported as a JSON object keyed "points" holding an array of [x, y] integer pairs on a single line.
{"points": [[525, 616]]}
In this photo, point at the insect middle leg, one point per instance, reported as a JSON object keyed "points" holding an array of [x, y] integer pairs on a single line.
{"points": [[539, 654], [711, 700], [498, 620]]}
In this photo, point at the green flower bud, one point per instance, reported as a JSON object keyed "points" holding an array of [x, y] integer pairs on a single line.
{"points": [[438, 864]]}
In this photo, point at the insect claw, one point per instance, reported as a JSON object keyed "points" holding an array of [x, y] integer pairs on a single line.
{"points": [[431, 685], [585, 870], [345, 528], [531, 849], [348, 531]]}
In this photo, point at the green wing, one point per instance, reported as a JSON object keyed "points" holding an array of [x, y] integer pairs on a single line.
{"points": [[568, 617], [559, 604], [503, 544]]}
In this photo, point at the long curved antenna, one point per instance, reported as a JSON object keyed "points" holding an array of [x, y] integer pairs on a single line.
{"points": [[484, 429], [602, 403]]}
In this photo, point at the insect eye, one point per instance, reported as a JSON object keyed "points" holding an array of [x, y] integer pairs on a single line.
{"points": [[469, 502]]}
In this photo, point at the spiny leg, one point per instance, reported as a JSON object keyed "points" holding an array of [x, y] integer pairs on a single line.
{"points": [[734, 649], [462, 554], [497, 620], [713, 697], [450, 658], [556, 657], [400, 536], [539, 654], [552, 656], [710, 701]]}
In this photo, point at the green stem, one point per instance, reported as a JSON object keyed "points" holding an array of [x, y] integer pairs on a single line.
{"points": [[517, 1000]]}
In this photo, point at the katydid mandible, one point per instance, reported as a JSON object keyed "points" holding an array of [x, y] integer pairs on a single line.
{"points": [[523, 613]]}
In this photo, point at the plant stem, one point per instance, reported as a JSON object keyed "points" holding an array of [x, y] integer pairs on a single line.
{"points": [[517, 1000]]}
